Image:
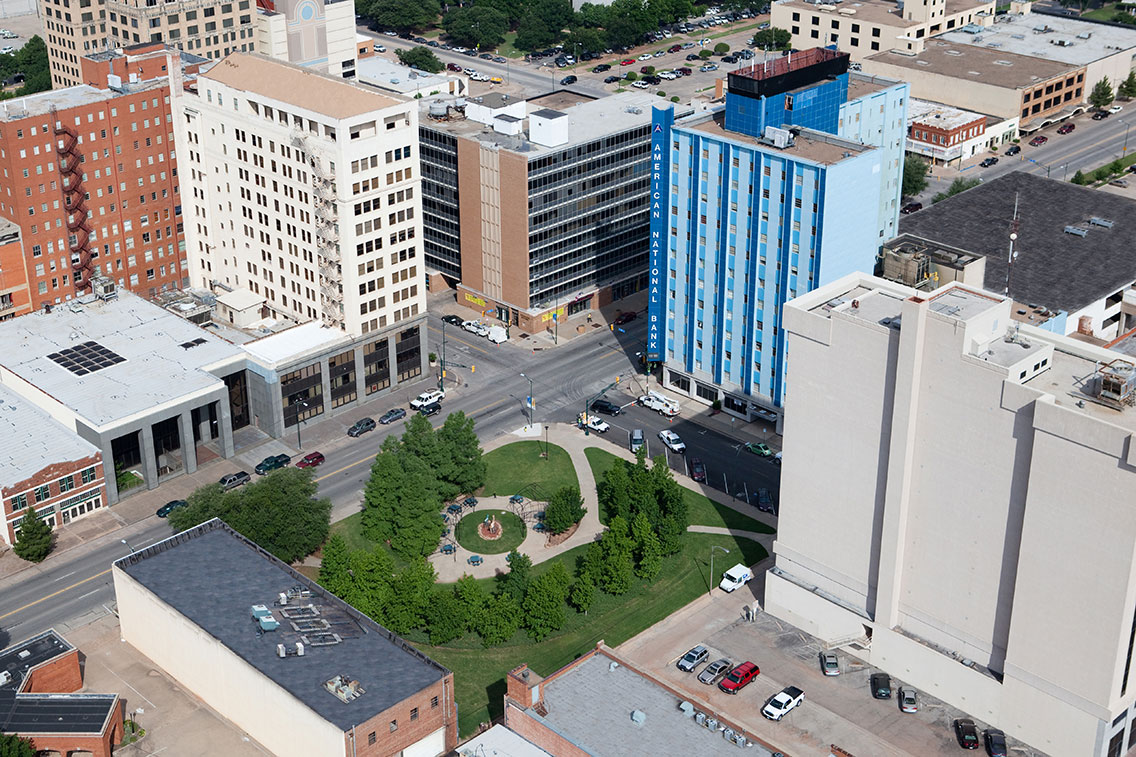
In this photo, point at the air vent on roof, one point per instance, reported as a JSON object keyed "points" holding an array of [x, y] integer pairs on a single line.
{"points": [[974, 73], [922, 63], [1103, 222], [1077, 231], [1017, 36], [194, 343], [1003, 63], [346, 689], [953, 52]]}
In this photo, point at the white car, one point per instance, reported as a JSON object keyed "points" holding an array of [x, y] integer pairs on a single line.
{"points": [[783, 703], [735, 578], [427, 398], [668, 75], [479, 77], [7, 49], [673, 442], [646, 56], [380, 49], [640, 85], [474, 327], [598, 425], [1116, 109]]}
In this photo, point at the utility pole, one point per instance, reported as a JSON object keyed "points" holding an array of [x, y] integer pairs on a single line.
{"points": [[1014, 224], [442, 373]]}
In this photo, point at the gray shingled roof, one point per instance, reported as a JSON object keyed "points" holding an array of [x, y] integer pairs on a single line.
{"points": [[1053, 268]]}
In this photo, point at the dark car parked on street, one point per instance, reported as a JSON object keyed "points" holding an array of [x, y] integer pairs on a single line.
{"points": [[967, 733], [995, 742], [392, 415], [233, 480], [311, 460], [607, 407], [1013, 150], [169, 507], [361, 426], [432, 409], [271, 463], [697, 470]]}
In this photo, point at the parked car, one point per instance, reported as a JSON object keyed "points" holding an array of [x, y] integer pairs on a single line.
{"points": [[646, 56], [7, 50], [995, 742], [693, 658], [601, 68], [271, 463], [1119, 183], [697, 470], [233, 480], [991, 161], [626, 316], [672, 440], [693, 56], [881, 685], [911, 207], [640, 85], [782, 704], [474, 327], [311, 460], [612, 79], [607, 407], [758, 448], [829, 663], [908, 700], [765, 501], [1038, 141], [735, 578], [628, 62], [599, 425], [729, 59], [361, 426], [392, 415], [1116, 109], [1101, 115], [453, 320], [170, 506], [432, 408], [427, 398], [684, 71], [713, 672], [709, 67], [967, 733], [1013, 150], [1062, 129], [637, 440], [568, 80], [674, 48], [740, 677]]}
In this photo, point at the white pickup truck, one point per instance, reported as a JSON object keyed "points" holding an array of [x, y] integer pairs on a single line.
{"points": [[659, 403], [735, 577]]}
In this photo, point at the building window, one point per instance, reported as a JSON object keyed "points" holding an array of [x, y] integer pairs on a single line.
{"points": [[19, 502], [414, 714], [66, 484], [433, 702], [680, 382], [371, 738], [706, 392], [394, 726], [42, 493], [88, 475]]}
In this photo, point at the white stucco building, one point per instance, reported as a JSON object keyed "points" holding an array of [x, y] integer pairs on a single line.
{"points": [[957, 506], [316, 33]]}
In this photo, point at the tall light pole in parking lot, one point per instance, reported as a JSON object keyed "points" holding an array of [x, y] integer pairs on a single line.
{"points": [[726, 551], [532, 402], [301, 403]]}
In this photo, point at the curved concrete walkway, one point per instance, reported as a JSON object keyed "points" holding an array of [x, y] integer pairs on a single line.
{"points": [[572, 440]]}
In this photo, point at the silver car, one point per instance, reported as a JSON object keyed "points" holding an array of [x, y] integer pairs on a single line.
{"points": [[693, 658], [714, 671], [829, 664]]}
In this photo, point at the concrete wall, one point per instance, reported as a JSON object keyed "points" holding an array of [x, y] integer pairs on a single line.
{"points": [[961, 93]]}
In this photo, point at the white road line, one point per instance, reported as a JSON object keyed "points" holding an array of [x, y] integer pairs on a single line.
{"points": [[66, 575]]}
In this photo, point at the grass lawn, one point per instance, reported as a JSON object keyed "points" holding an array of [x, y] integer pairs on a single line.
{"points": [[518, 468], [507, 49], [703, 511], [1104, 13], [479, 673], [513, 532]]}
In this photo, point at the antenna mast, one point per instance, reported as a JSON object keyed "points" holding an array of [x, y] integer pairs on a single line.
{"points": [[1014, 225]]}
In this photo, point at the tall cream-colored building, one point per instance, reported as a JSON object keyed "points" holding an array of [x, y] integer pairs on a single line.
{"points": [[315, 33], [958, 506], [305, 191]]}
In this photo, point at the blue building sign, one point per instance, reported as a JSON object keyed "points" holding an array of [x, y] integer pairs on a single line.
{"points": [[661, 121]]}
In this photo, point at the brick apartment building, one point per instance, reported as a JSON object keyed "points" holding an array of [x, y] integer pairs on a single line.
{"points": [[15, 299], [88, 175]]}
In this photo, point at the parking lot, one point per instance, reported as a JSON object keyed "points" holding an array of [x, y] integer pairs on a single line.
{"points": [[837, 710]]}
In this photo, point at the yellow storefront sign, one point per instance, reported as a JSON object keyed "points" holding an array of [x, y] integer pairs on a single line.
{"points": [[559, 312], [474, 299]]}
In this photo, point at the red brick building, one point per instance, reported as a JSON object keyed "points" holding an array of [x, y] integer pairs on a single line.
{"points": [[15, 298], [88, 174]]}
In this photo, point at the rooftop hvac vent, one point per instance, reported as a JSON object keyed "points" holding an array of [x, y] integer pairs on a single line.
{"points": [[686, 707], [1003, 62], [1102, 222], [728, 734], [711, 724], [1117, 381], [953, 52], [1085, 35], [1017, 36], [322, 639], [638, 717], [346, 689], [283, 650], [1077, 230]]}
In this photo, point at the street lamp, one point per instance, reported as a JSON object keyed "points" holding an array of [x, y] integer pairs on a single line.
{"points": [[726, 551], [304, 404], [132, 549], [1127, 126], [531, 402]]}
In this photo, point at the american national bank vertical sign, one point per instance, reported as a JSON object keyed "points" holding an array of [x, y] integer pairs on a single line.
{"points": [[661, 121]]}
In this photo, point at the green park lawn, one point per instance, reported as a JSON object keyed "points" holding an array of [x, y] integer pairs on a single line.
{"points": [[512, 532], [479, 673], [518, 468], [702, 510]]}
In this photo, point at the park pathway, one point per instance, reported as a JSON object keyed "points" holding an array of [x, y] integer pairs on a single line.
{"points": [[453, 566]]}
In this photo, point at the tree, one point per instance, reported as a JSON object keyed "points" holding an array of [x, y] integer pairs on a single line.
{"points": [[1101, 96], [670, 535], [1079, 178], [628, 21], [957, 186], [401, 503], [280, 512], [481, 26], [459, 442], [34, 541], [721, 48], [584, 40], [544, 605], [410, 596], [371, 578], [31, 61], [421, 58], [618, 566], [583, 592], [565, 509], [648, 552], [704, 54], [534, 33], [773, 39], [1127, 88], [592, 15], [613, 492], [401, 15], [516, 582], [630, 76], [1080, 5], [501, 619], [474, 600], [445, 616], [914, 176], [334, 566], [12, 745], [380, 495]]}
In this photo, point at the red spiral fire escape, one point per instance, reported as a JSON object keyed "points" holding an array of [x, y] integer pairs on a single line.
{"points": [[71, 173]]}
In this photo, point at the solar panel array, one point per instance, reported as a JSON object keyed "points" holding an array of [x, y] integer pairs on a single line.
{"points": [[85, 358]]}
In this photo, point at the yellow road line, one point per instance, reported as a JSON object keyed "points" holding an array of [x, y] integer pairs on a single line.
{"points": [[54, 594]]}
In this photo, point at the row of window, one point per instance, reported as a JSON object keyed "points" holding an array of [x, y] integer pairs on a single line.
{"points": [[43, 493]]}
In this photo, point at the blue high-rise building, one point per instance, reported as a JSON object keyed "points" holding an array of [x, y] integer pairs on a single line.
{"points": [[791, 185]]}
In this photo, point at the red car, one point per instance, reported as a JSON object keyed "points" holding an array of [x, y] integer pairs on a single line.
{"points": [[626, 317], [311, 460], [628, 62], [1038, 141], [453, 67], [1066, 128], [739, 677], [674, 48]]}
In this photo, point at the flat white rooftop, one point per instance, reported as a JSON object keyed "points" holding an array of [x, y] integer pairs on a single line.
{"points": [[30, 440], [1059, 38], [382, 73], [294, 342], [938, 115], [499, 741]]}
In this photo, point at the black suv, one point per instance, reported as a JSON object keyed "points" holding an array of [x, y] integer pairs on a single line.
{"points": [[606, 407], [361, 426], [432, 409]]}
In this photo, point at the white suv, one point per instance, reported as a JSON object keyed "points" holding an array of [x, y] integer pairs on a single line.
{"points": [[427, 398], [673, 442]]}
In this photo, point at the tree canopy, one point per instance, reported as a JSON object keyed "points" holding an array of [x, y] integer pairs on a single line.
{"points": [[480, 26], [1102, 94], [400, 15], [914, 176], [35, 539], [420, 57], [12, 745]]}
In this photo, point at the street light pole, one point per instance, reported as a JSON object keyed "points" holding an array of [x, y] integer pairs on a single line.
{"points": [[442, 372], [299, 421], [132, 549], [726, 551], [1127, 126], [532, 402]]}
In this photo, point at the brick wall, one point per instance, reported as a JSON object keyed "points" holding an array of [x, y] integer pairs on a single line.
{"points": [[374, 738], [519, 721], [50, 476], [101, 745], [58, 676]]}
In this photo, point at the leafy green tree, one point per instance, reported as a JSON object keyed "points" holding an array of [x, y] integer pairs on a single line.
{"points": [[1079, 178], [420, 57], [516, 582], [565, 509], [544, 605], [501, 619], [401, 503], [371, 582], [473, 598], [721, 48], [34, 541], [581, 39], [31, 61], [334, 566], [401, 15], [459, 442], [380, 495], [592, 15], [12, 745], [630, 76], [534, 33], [773, 39], [669, 494], [957, 186], [559, 578], [914, 176], [613, 492], [704, 54], [1101, 173], [1115, 166], [445, 616], [648, 552], [1101, 96], [280, 512], [618, 564], [592, 561], [1127, 88], [410, 596], [583, 592], [670, 535], [480, 26], [628, 21], [1080, 5]]}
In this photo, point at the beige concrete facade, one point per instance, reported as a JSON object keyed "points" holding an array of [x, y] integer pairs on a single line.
{"points": [[982, 540], [309, 33], [305, 190]]}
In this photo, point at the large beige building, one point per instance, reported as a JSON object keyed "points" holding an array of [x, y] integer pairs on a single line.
{"points": [[957, 506], [304, 190], [316, 33]]}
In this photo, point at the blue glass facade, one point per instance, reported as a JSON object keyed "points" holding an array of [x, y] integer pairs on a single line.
{"points": [[817, 107]]}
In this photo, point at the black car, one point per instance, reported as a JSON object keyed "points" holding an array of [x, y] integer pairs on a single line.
{"points": [[169, 507], [995, 742], [697, 469], [1101, 115], [694, 56], [765, 501], [612, 79], [233, 480], [729, 59], [1013, 150], [392, 415], [567, 80], [271, 463], [988, 162], [432, 409], [654, 81], [911, 207], [361, 426], [881, 685], [486, 56], [967, 733], [607, 407], [453, 320], [601, 68]]}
